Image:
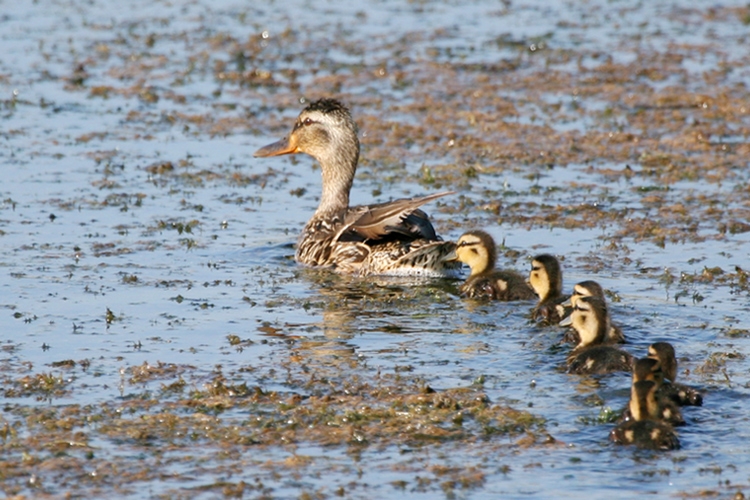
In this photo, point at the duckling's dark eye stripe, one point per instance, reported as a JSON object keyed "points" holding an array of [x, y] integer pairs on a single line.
{"points": [[468, 243]]}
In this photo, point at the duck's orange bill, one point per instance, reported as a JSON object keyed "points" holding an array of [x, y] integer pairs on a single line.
{"points": [[282, 147]]}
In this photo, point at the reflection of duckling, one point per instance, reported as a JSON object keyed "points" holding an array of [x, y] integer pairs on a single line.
{"points": [[591, 355], [681, 394], [644, 430], [546, 280], [661, 407], [392, 238], [590, 288], [477, 249]]}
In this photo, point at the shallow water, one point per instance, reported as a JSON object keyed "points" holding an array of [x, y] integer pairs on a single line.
{"points": [[147, 263]]}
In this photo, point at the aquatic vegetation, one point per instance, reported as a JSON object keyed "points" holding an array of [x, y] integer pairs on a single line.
{"points": [[158, 337]]}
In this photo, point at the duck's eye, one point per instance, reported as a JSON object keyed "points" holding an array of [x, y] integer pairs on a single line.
{"points": [[307, 121], [535, 268]]}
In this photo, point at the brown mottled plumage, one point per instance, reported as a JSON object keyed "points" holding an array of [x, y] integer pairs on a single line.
{"points": [[545, 278], [591, 355], [645, 430], [392, 238], [477, 249]]}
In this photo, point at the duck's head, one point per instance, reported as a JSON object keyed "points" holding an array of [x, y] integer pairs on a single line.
{"points": [[476, 249], [648, 369], [664, 353], [588, 288], [643, 404], [324, 130], [546, 276], [589, 318]]}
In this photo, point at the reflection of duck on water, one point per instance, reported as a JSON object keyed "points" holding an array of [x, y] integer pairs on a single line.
{"points": [[477, 249], [393, 238]]}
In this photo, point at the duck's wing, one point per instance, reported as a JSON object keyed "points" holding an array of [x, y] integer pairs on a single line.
{"points": [[419, 257], [399, 216]]}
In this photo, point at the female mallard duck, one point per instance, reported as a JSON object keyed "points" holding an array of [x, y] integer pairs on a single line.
{"points": [[645, 430], [591, 355], [662, 407], [681, 394], [477, 249], [392, 238], [590, 288], [546, 280]]}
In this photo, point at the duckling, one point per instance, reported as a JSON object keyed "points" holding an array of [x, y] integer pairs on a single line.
{"points": [[681, 394], [644, 429], [661, 408], [590, 288], [477, 249], [648, 369], [546, 280], [392, 238], [591, 355]]}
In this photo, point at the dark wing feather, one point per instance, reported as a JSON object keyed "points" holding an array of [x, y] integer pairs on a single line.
{"points": [[398, 216]]}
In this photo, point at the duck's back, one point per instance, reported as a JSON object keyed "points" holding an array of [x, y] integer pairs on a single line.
{"points": [[393, 238], [598, 360], [504, 285], [648, 434]]}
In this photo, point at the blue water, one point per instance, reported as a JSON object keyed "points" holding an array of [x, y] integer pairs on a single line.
{"points": [[88, 224]]}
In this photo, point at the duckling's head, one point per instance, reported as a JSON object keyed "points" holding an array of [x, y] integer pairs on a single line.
{"points": [[588, 288], [589, 318], [648, 369], [664, 353], [643, 404], [324, 130], [546, 276], [476, 249]]}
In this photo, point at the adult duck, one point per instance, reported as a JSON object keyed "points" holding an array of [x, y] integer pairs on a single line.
{"points": [[392, 238]]}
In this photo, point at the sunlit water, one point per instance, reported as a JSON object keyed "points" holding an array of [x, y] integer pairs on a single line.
{"points": [[87, 227]]}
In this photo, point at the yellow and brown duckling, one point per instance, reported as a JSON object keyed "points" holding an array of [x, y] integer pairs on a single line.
{"points": [[477, 249], [392, 238], [681, 394], [590, 288], [592, 355], [545, 278], [645, 429], [661, 407]]}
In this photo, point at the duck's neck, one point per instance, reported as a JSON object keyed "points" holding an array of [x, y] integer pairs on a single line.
{"points": [[554, 292], [550, 292], [338, 165], [593, 333]]}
